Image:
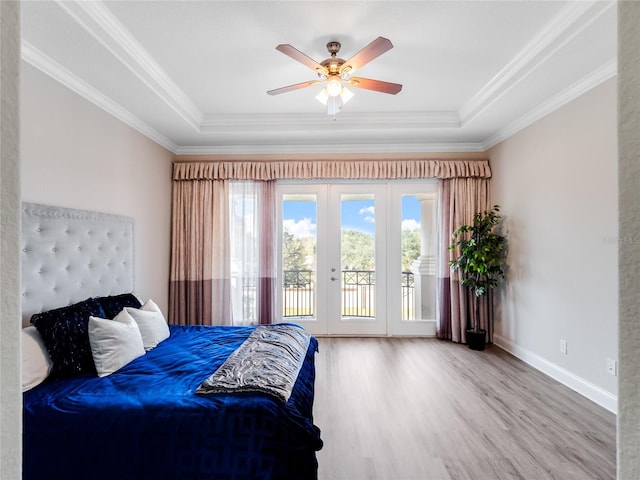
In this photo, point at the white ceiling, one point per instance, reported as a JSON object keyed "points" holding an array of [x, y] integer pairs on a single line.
{"points": [[193, 75]]}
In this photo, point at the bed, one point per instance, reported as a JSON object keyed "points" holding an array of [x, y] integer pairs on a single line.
{"points": [[149, 418]]}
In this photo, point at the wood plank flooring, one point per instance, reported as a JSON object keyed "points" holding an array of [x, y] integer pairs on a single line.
{"points": [[424, 409]]}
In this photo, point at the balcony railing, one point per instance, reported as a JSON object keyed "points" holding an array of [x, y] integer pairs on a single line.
{"points": [[358, 294], [299, 298], [408, 296]]}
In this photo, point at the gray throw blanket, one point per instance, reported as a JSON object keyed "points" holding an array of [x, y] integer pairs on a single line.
{"points": [[268, 361]]}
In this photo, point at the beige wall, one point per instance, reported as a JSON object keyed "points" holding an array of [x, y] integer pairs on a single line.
{"points": [[557, 184], [76, 155]]}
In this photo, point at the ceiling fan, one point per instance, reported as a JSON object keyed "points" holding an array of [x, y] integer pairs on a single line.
{"points": [[336, 73]]}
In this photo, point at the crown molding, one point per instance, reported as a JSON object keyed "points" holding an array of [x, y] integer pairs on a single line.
{"points": [[212, 123], [324, 148], [42, 62], [595, 78], [566, 25], [95, 18]]}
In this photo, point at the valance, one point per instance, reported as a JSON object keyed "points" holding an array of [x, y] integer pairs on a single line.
{"points": [[330, 169]]}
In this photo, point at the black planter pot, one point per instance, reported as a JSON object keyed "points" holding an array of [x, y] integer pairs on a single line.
{"points": [[476, 339]]}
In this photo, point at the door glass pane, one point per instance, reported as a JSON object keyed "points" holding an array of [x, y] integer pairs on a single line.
{"points": [[410, 252], [357, 233], [418, 258], [299, 247]]}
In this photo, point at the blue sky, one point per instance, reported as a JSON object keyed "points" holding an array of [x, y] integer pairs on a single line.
{"points": [[300, 217]]}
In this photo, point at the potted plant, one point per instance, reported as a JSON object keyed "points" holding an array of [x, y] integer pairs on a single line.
{"points": [[481, 263]]}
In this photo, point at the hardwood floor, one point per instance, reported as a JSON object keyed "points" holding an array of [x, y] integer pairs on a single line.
{"points": [[413, 409]]}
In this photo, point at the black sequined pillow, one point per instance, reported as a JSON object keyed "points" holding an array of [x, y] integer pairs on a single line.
{"points": [[65, 333], [114, 304]]}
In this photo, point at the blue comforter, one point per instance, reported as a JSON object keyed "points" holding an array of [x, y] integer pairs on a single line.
{"points": [[145, 422]]}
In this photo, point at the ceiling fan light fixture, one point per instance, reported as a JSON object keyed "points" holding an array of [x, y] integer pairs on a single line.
{"points": [[334, 103], [335, 73], [346, 95], [334, 87], [333, 106], [323, 96]]}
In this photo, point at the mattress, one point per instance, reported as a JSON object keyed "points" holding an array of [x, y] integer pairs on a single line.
{"points": [[146, 422]]}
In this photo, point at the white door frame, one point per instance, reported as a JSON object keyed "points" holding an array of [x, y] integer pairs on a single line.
{"points": [[339, 325], [388, 308], [316, 325], [396, 325]]}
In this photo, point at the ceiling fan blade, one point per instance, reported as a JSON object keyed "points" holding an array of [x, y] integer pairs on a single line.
{"points": [[368, 53], [301, 57], [376, 85], [291, 88]]}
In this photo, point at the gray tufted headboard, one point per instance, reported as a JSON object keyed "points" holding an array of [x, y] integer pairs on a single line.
{"points": [[69, 255]]}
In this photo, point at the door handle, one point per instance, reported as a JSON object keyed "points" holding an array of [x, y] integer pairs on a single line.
{"points": [[333, 279]]}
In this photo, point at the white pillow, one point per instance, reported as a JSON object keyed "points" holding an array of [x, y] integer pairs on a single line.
{"points": [[114, 343], [153, 326], [36, 363]]}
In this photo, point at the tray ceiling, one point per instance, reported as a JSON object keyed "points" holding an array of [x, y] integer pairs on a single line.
{"points": [[193, 75]]}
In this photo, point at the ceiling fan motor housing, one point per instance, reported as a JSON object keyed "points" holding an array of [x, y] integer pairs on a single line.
{"points": [[334, 48], [333, 64]]}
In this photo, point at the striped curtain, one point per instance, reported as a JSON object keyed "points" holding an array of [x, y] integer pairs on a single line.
{"points": [[199, 282], [459, 200], [266, 296]]}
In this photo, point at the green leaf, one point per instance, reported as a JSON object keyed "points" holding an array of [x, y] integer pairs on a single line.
{"points": [[481, 253]]}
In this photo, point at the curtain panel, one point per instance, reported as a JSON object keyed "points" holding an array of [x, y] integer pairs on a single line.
{"points": [[253, 252], [266, 294], [459, 200], [208, 238], [199, 272], [330, 169]]}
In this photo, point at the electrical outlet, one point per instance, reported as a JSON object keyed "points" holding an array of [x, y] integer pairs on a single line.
{"points": [[612, 366], [563, 346]]}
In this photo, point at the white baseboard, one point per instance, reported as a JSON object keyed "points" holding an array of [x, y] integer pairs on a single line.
{"points": [[580, 385]]}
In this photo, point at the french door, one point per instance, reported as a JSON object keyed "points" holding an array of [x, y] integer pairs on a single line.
{"points": [[337, 274]]}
